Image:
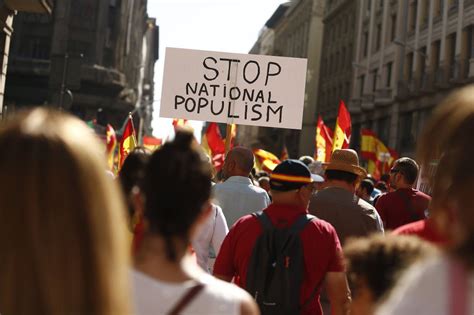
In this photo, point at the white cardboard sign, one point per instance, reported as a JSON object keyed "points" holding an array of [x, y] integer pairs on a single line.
{"points": [[243, 89]]}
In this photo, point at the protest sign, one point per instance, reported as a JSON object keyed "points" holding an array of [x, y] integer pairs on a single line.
{"points": [[233, 88]]}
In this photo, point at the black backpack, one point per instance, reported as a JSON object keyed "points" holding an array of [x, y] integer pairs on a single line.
{"points": [[276, 268]]}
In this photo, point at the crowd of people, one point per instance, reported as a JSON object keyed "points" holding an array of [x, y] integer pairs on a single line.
{"points": [[169, 237]]}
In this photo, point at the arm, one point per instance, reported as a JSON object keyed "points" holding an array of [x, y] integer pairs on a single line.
{"points": [[338, 292], [224, 266], [220, 230]]}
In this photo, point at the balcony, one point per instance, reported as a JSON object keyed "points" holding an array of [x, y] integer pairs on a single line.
{"points": [[367, 102], [31, 6], [402, 89], [441, 77], [383, 96], [427, 82]]}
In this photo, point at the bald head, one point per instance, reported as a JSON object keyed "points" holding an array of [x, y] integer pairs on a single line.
{"points": [[239, 161]]}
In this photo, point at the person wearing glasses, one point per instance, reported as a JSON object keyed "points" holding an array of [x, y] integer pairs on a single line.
{"points": [[405, 204]]}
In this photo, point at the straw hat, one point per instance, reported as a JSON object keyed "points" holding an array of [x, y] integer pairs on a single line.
{"points": [[345, 160]]}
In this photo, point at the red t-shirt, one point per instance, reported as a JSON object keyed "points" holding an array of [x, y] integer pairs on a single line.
{"points": [[321, 249], [424, 229], [394, 207]]}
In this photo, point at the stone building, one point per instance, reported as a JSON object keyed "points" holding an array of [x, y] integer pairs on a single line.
{"points": [[410, 54], [86, 58], [294, 30], [339, 41], [7, 13]]}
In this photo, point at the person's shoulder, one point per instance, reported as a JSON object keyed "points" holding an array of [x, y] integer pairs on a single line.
{"points": [[321, 227], [244, 222], [365, 205], [410, 228], [222, 290]]}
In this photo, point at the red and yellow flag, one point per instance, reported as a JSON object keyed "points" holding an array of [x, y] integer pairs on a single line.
{"points": [[214, 145], [380, 157], [179, 123], [265, 160], [342, 132], [324, 138], [111, 139], [129, 141], [151, 143]]}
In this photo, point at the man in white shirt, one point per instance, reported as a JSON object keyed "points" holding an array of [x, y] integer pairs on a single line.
{"points": [[237, 195]]}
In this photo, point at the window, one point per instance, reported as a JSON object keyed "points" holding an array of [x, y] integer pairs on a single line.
{"points": [[388, 79], [378, 35], [422, 63], [361, 85], [435, 55], [383, 129], [409, 67], [393, 27], [412, 16], [374, 80], [366, 44]]}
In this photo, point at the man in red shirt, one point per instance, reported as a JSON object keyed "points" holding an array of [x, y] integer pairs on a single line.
{"points": [[405, 204], [424, 229], [291, 187]]}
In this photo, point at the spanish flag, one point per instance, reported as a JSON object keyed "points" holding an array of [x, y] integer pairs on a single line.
{"points": [[265, 160], [342, 132], [214, 145], [111, 145], [380, 157], [179, 123], [324, 137], [151, 143], [129, 141]]}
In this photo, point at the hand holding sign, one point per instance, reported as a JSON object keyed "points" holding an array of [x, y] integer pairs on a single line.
{"points": [[233, 88]]}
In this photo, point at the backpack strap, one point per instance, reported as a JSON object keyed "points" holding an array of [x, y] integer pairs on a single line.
{"points": [[187, 298], [301, 222], [264, 220]]}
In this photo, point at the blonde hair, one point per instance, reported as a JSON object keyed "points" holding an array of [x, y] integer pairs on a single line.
{"points": [[62, 221], [448, 141]]}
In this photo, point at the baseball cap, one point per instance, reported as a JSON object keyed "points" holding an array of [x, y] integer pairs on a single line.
{"points": [[291, 175]]}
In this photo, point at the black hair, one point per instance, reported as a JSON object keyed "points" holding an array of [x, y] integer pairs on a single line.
{"points": [[341, 175], [382, 186], [367, 185], [132, 173], [177, 185], [408, 168]]}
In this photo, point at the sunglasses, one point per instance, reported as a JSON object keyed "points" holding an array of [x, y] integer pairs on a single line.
{"points": [[393, 171]]}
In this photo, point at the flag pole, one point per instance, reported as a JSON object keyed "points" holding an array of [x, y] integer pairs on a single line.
{"points": [[228, 138]]}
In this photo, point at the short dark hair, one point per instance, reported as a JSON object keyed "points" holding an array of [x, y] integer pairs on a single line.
{"points": [[306, 159], [367, 185], [408, 168], [341, 175], [380, 259], [132, 173]]}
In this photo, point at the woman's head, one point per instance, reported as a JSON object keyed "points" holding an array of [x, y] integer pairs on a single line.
{"points": [[375, 263], [448, 142], [177, 189], [132, 174], [62, 227]]}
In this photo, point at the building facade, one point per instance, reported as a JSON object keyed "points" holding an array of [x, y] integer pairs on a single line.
{"points": [[410, 54], [7, 14], [294, 30], [90, 56], [339, 42]]}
